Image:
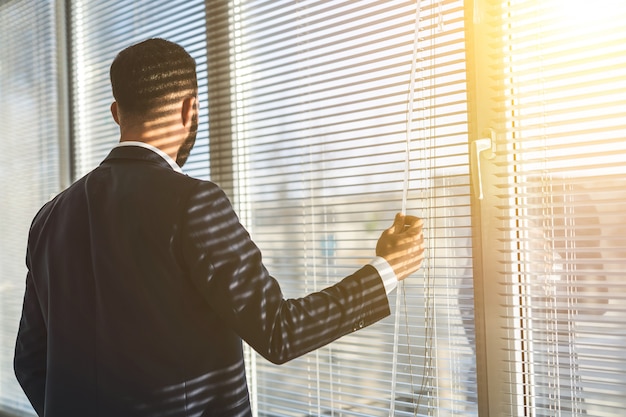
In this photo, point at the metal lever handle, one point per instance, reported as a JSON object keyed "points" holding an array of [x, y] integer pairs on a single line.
{"points": [[479, 146]]}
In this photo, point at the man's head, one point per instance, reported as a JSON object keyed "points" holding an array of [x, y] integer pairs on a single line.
{"points": [[151, 80]]}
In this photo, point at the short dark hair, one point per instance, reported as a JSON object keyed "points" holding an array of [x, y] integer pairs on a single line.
{"points": [[145, 75]]}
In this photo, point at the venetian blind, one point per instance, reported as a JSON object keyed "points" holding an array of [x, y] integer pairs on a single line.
{"points": [[101, 29], [561, 179], [30, 171], [318, 97]]}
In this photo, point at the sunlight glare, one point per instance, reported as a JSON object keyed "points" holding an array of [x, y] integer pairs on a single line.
{"points": [[584, 12]]}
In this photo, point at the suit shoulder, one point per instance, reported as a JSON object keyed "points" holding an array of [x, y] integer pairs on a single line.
{"points": [[205, 189], [47, 208], [209, 203]]}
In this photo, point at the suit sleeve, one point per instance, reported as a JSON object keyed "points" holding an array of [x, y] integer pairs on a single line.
{"points": [[227, 267], [31, 349]]}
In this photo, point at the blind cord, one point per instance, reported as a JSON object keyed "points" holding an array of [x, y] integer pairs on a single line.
{"points": [[405, 191], [409, 113]]}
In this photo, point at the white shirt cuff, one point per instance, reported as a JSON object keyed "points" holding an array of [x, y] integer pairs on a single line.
{"points": [[390, 281]]}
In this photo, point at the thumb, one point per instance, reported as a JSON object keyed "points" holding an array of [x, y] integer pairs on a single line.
{"points": [[398, 223]]}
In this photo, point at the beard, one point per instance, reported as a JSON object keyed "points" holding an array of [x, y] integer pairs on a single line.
{"points": [[190, 140]]}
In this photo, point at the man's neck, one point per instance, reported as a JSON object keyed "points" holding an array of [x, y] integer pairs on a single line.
{"points": [[162, 138]]}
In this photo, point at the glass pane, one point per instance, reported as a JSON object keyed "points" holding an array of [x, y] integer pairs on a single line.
{"points": [[99, 31], [565, 101], [320, 144], [29, 165]]}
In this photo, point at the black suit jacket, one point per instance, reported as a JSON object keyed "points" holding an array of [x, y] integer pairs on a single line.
{"points": [[141, 284]]}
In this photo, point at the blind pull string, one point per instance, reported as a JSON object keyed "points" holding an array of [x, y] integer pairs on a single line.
{"points": [[405, 192], [409, 113]]}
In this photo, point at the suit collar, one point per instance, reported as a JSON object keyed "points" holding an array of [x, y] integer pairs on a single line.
{"points": [[144, 152]]}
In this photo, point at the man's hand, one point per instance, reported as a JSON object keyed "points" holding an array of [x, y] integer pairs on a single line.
{"points": [[402, 245]]}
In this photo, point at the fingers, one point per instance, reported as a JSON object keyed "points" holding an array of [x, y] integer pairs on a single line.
{"points": [[402, 245], [405, 255], [413, 225], [412, 221], [404, 224]]}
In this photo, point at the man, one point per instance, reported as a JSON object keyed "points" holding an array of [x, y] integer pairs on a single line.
{"points": [[142, 282]]}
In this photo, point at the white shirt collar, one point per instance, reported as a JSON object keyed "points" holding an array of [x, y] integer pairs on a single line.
{"points": [[154, 149]]}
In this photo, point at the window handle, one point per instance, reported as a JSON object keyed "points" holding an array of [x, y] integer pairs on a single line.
{"points": [[486, 146]]}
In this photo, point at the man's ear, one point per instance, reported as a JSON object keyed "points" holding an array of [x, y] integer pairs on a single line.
{"points": [[188, 110], [116, 116]]}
